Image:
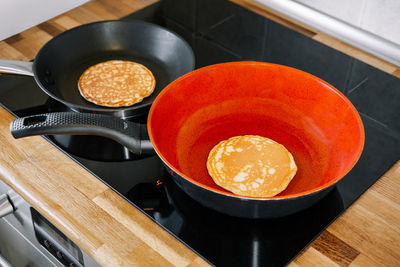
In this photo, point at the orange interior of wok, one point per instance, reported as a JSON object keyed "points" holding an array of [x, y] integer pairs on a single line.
{"points": [[313, 120]]}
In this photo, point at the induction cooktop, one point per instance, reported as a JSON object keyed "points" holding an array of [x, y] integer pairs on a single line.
{"points": [[221, 31]]}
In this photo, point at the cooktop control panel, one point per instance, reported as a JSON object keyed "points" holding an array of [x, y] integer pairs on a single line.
{"points": [[54, 241]]}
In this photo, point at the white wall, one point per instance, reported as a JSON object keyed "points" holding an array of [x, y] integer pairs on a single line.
{"points": [[19, 15], [381, 17]]}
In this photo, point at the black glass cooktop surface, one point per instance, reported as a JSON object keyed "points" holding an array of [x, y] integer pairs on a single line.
{"points": [[234, 33]]}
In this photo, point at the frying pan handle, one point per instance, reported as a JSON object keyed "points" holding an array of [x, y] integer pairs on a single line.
{"points": [[16, 67], [124, 132]]}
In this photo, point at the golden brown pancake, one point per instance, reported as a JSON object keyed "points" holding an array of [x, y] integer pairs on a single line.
{"points": [[251, 165], [116, 83]]}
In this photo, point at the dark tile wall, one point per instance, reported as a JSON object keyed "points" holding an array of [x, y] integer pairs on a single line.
{"points": [[233, 27], [288, 47], [209, 52], [227, 25], [182, 31], [375, 93], [183, 12], [381, 151]]}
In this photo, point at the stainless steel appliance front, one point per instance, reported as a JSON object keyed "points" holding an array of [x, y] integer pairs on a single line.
{"points": [[28, 239]]}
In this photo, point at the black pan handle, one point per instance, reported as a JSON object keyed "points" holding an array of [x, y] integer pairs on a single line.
{"points": [[124, 132]]}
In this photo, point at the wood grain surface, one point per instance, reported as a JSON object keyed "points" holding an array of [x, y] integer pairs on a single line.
{"points": [[114, 233]]}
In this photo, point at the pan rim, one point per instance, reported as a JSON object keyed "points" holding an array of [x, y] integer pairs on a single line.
{"points": [[138, 106], [306, 193]]}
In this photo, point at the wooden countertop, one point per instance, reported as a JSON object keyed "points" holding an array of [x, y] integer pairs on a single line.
{"points": [[115, 233]]}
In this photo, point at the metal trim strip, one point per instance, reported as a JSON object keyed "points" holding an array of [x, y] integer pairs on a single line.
{"points": [[357, 37]]}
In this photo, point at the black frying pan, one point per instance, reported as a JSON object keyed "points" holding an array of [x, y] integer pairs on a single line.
{"points": [[60, 62]]}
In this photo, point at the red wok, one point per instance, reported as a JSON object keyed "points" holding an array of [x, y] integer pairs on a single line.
{"points": [[312, 119]]}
